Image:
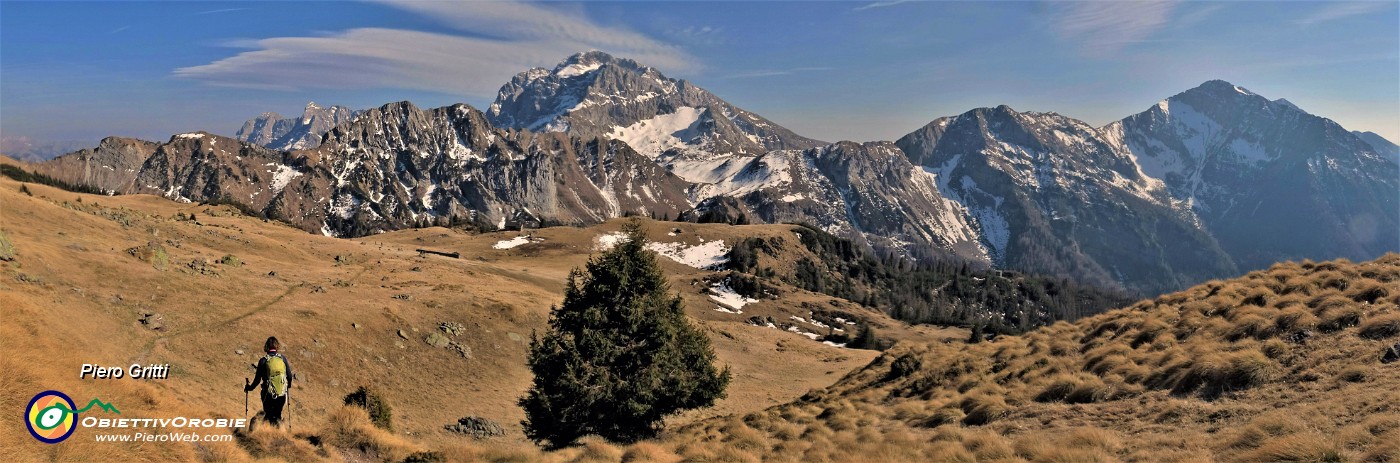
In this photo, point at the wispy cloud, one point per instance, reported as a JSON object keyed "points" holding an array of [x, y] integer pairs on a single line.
{"points": [[776, 72], [1335, 11], [120, 29], [879, 5], [221, 10], [504, 38], [1104, 28]]}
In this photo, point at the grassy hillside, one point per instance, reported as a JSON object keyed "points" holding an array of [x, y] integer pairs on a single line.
{"points": [[127, 279], [1279, 365]]}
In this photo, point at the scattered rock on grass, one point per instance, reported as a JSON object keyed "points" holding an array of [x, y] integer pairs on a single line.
{"points": [[480, 428], [452, 328], [1392, 354]]}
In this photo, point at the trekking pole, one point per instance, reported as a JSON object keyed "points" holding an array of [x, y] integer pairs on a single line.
{"points": [[246, 382]]}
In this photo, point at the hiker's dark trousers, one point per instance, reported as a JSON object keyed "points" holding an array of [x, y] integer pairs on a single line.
{"points": [[272, 408]]}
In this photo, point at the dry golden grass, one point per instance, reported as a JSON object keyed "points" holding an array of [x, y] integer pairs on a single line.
{"points": [[1189, 376], [350, 429], [74, 295], [1278, 364]]}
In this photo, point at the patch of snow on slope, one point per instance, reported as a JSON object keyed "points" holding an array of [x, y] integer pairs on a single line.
{"points": [[607, 241], [283, 176], [577, 69], [704, 256], [511, 243], [770, 170], [665, 131], [1249, 151], [707, 255], [726, 297], [711, 170], [996, 231]]}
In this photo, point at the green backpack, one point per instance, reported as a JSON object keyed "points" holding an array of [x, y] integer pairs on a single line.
{"points": [[276, 376]]}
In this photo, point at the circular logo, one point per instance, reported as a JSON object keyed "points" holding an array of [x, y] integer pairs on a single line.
{"points": [[50, 417]]}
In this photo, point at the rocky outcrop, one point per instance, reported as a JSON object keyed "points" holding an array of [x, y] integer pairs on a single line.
{"points": [[112, 166]]}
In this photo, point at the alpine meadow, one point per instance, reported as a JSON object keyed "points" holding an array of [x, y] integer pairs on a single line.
{"points": [[510, 231]]}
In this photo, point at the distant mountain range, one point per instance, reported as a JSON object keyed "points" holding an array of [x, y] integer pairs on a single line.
{"points": [[283, 133], [1204, 184]]}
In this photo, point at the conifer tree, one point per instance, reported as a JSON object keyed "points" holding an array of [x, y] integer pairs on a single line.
{"points": [[619, 355]]}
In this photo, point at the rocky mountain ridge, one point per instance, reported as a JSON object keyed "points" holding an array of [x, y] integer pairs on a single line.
{"points": [[1150, 203]]}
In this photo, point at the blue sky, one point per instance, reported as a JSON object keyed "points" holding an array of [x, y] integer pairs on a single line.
{"points": [[828, 70]]}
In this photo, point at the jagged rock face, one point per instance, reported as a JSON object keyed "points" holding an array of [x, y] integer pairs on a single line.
{"points": [[594, 94], [866, 191], [891, 202], [1049, 194], [112, 166], [397, 166], [273, 131], [1269, 181], [204, 167]]}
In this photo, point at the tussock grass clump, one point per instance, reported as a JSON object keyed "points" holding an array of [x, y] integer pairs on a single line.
{"points": [[1381, 326], [982, 408], [944, 416], [1073, 445], [1294, 317], [597, 450], [1354, 374], [269, 442], [1367, 291], [1075, 390], [1387, 449], [1213, 374], [1307, 447], [1263, 428], [648, 452], [350, 427], [1250, 325], [1274, 349], [1327, 301], [1340, 318], [988, 446]]}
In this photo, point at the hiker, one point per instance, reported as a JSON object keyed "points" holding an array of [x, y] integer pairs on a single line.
{"points": [[275, 376]]}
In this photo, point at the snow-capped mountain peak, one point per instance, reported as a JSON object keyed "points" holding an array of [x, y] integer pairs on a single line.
{"points": [[595, 94]]}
